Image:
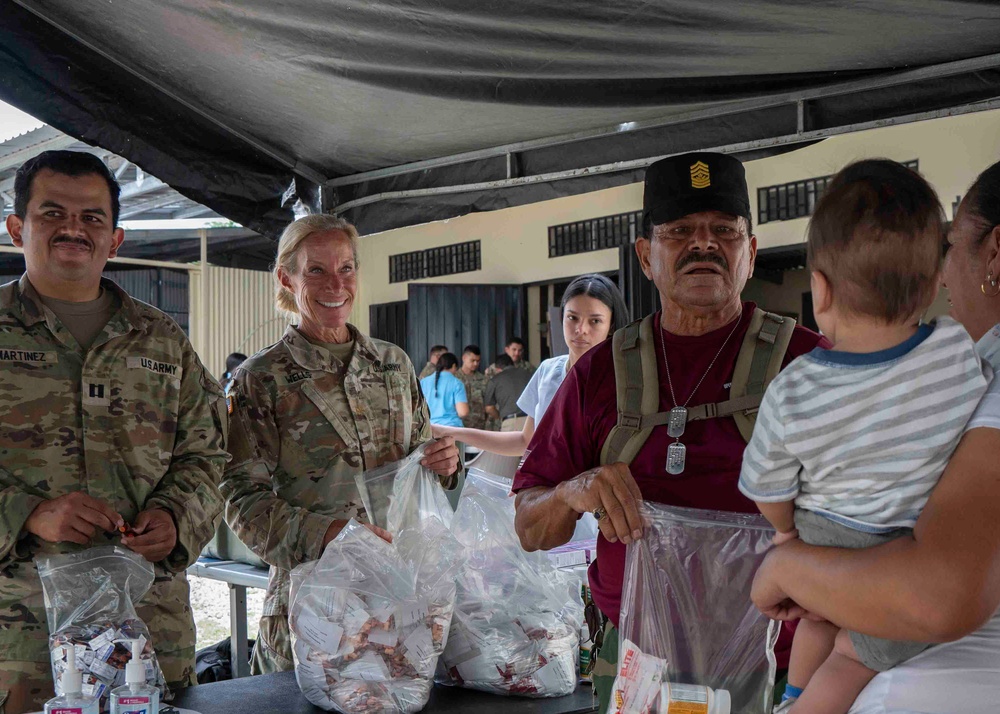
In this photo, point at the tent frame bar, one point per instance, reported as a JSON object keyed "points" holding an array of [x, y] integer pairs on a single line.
{"points": [[799, 98], [189, 267], [621, 166]]}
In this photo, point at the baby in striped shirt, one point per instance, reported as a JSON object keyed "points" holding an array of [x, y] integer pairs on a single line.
{"points": [[850, 441]]}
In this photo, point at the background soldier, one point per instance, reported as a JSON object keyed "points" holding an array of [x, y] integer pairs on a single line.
{"points": [[109, 417], [475, 387], [515, 350], [432, 360]]}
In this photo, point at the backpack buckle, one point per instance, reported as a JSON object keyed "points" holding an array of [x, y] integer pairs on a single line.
{"points": [[630, 421]]}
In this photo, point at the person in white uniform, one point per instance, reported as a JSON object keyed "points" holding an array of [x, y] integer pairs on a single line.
{"points": [[592, 309], [941, 584]]}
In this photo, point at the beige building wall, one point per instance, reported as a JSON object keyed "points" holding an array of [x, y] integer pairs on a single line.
{"points": [[787, 297], [241, 315], [514, 246], [951, 152]]}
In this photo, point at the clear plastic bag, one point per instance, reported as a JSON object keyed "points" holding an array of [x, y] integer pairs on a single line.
{"points": [[369, 619], [90, 599], [403, 494], [516, 628], [686, 613]]}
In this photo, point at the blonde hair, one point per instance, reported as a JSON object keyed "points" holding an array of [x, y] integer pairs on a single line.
{"points": [[288, 251]]}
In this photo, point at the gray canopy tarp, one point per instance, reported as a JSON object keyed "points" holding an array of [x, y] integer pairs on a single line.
{"points": [[396, 112]]}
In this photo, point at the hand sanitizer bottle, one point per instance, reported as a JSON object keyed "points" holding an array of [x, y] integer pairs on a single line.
{"points": [[72, 700], [135, 696]]}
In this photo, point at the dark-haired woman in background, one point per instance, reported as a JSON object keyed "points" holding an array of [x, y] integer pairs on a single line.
{"points": [[445, 393], [592, 309]]}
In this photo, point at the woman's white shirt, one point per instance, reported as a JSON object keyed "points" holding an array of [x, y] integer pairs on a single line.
{"points": [[961, 676], [542, 388], [534, 401]]}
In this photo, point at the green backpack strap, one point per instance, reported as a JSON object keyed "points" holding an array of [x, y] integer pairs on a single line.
{"points": [[638, 388], [759, 362], [638, 384]]}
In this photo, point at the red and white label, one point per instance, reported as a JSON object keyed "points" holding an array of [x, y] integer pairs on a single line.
{"points": [[133, 700], [67, 710]]}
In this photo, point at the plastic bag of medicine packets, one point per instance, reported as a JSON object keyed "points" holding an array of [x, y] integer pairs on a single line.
{"points": [[403, 493], [369, 619], [516, 628], [686, 615], [90, 599]]}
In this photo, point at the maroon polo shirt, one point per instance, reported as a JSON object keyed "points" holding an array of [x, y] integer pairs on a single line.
{"points": [[568, 441]]}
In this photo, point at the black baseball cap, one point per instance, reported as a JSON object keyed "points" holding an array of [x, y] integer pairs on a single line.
{"points": [[695, 182]]}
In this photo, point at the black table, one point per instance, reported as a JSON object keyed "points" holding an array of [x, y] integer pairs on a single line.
{"points": [[279, 694]]}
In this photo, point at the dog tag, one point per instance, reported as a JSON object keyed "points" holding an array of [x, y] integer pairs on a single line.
{"points": [[676, 456], [678, 420]]}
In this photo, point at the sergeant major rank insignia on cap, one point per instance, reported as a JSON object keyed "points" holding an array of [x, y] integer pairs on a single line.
{"points": [[700, 175]]}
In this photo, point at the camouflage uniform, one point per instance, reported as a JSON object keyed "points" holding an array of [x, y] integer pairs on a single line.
{"points": [[492, 370], [135, 421], [429, 369], [302, 425], [492, 423], [475, 390]]}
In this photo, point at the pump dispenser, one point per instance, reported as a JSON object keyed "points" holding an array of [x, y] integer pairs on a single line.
{"points": [[72, 700], [135, 696]]}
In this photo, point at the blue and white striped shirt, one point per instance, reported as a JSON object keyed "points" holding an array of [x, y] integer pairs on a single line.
{"points": [[863, 438]]}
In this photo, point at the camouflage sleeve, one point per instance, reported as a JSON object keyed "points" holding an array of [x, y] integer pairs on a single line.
{"points": [[421, 430], [190, 488], [16, 504], [278, 532]]}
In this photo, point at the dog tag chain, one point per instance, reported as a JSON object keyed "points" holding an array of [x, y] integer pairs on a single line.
{"points": [[677, 452]]}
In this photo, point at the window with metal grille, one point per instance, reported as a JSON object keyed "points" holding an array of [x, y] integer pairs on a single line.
{"points": [[796, 199], [433, 262], [594, 234], [406, 266]]}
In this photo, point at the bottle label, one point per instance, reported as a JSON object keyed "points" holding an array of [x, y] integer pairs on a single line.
{"points": [[687, 699], [133, 700], [67, 710]]}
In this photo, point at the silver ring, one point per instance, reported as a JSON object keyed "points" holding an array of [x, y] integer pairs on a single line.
{"points": [[600, 514]]}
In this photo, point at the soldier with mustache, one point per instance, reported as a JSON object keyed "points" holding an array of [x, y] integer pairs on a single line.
{"points": [[108, 417], [591, 452]]}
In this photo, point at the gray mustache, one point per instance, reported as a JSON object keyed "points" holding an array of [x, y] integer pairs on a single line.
{"points": [[702, 258]]}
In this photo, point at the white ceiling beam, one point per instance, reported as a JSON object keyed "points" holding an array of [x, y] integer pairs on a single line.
{"points": [[150, 205], [16, 158]]}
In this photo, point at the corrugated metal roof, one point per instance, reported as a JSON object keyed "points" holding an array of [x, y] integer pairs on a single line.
{"points": [[143, 197], [28, 138]]}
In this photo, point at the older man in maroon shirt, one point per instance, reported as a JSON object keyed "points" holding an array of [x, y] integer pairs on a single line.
{"points": [[699, 251]]}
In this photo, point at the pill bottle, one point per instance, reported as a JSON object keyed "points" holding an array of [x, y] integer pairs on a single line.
{"points": [[693, 699]]}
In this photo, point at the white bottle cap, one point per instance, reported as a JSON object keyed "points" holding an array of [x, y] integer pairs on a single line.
{"points": [[723, 703], [72, 678], [135, 670]]}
